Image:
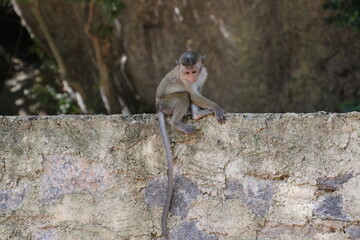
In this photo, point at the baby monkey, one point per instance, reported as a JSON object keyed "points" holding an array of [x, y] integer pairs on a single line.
{"points": [[180, 89]]}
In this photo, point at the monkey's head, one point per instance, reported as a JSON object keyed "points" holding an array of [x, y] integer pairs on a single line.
{"points": [[191, 63]]}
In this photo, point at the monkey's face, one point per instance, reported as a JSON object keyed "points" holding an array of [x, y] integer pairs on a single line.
{"points": [[192, 72]]}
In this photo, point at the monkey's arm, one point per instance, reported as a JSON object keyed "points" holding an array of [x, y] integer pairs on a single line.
{"points": [[170, 83], [206, 103]]}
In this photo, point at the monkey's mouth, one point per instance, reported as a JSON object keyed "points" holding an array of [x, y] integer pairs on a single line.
{"points": [[191, 78]]}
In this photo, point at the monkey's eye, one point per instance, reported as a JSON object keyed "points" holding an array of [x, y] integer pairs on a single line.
{"points": [[187, 73], [193, 72]]}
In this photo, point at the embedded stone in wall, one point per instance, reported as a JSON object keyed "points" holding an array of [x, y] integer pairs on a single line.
{"points": [[333, 183], [255, 193], [331, 208], [185, 191], [353, 231], [188, 230], [72, 174], [11, 198]]}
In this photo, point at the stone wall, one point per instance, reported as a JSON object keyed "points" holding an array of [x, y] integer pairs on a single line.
{"points": [[259, 176]]}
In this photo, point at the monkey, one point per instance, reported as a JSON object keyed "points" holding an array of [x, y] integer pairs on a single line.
{"points": [[178, 91]]}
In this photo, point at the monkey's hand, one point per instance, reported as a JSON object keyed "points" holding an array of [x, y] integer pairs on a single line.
{"points": [[220, 115]]}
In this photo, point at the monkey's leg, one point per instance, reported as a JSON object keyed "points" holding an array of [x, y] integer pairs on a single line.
{"points": [[181, 105], [198, 113], [176, 104]]}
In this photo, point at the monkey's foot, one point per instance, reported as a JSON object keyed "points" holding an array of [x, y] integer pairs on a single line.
{"points": [[202, 113], [185, 128]]}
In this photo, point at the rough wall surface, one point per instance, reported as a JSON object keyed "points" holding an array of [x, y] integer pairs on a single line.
{"points": [[259, 176]]}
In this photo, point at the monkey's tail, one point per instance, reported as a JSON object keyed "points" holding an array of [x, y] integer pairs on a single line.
{"points": [[170, 184]]}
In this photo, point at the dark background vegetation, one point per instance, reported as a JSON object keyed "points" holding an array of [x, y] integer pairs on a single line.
{"points": [[107, 56]]}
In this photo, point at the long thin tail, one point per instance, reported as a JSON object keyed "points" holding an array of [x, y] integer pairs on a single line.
{"points": [[170, 185]]}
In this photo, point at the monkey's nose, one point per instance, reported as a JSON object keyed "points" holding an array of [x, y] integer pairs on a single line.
{"points": [[192, 78]]}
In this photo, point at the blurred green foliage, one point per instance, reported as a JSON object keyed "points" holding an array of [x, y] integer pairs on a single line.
{"points": [[4, 2], [344, 13], [48, 99], [350, 106], [48, 93], [111, 8]]}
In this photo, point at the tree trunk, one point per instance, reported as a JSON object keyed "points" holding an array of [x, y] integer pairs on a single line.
{"points": [[88, 61]]}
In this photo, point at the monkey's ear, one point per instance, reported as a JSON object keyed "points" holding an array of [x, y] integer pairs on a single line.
{"points": [[177, 62], [203, 59]]}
